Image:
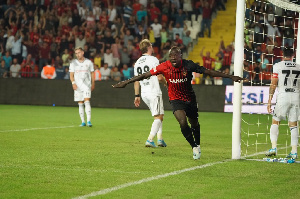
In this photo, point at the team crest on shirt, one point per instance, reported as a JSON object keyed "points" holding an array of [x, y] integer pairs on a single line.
{"points": [[184, 73]]}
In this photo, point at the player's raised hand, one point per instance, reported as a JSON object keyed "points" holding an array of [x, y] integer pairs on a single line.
{"points": [[120, 84]]}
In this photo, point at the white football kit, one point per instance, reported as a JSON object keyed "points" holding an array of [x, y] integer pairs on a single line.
{"points": [[287, 101], [150, 89], [82, 77]]}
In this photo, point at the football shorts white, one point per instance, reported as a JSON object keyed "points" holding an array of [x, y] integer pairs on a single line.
{"points": [[154, 103], [81, 95], [287, 106]]}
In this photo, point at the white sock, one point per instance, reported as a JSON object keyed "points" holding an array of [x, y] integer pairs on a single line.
{"points": [[294, 138], [154, 129], [81, 112], [274, 131], [159, 132], [88, 110]]}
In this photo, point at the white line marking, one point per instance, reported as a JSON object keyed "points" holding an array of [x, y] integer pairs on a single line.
{"points": [[108, 190], [33, 129]]}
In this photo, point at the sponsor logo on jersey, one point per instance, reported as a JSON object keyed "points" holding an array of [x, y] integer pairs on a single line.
{"points": [[175, 81]]}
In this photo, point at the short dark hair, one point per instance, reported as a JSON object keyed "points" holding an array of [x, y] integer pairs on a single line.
{"points": [[288, 52], [175, 49]]}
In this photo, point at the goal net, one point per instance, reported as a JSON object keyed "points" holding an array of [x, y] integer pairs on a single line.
{"points": [[268, 27]]}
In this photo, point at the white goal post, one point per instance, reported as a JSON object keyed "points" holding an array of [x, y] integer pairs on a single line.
{"points": [[238, 67]]}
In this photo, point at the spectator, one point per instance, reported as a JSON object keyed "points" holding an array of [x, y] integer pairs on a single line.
{"points": [[15, 69], [141, 15], [7, 60], [180, 18], [178, 30], [136, 6], [125, 56], [67, 73], [163, 36], [80, 40], [187, 40], [27, 67], [127, 10], [44, 55], [288, 34], [115, 74], [65, 58], [206, 17], [3, 71], [263, 62], [60, 72], [126, 36], [105, 72], [108, 58], [115, 48], [227, 81], [154, 13], [16, 50], [208, 64], [48, 72], [112, 13], [97, 73], [156, 30], [97, 60], [126, 72]]}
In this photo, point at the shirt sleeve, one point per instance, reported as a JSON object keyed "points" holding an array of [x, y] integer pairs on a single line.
{"points": [[196, 67], [158, 69], [71, 68], [91, 66]]}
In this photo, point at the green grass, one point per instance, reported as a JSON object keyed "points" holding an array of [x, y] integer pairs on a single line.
{"points": [[41, 161]]}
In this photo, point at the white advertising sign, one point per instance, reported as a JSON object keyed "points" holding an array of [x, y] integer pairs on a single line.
{"points": [[254, 99]]}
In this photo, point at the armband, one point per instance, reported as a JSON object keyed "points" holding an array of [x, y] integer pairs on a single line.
{"points": [[137, 95], [73, 82]]}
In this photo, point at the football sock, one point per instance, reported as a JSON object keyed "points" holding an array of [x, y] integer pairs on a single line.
{"points": [[159, 132], [294, 138], [154, 129], [196, 134], [274, 135], [187, 133], [81, 111], [88, 110]]}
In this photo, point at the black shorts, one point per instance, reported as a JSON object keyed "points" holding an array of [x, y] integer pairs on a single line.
{"points": [[190, 108]]}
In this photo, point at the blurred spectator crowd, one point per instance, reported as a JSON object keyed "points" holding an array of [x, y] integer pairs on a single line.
{"points": [[38, 37]]}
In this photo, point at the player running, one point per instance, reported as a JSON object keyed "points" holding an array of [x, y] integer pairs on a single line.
{"points": [[150, 92], [83, 82], [178, 74], [285, 77]]}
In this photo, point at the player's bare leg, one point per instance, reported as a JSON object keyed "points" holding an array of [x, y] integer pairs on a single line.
{"points": [[81, 113], [186, 131]]}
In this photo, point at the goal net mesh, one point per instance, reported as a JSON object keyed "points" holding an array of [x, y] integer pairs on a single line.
{"points": [[270, 26]]}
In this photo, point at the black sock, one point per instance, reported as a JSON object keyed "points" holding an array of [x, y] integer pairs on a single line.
{"points": [[187, 133], [196, 134]]}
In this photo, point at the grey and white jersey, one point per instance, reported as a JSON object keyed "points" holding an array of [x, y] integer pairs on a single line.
{"points": [[82, 73], [144, 64]]}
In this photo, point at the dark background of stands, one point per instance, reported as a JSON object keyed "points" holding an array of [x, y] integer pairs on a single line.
{"points": [[60, 93]]}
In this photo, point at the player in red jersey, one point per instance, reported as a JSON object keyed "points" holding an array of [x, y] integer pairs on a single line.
{"points": [[178, 74]]}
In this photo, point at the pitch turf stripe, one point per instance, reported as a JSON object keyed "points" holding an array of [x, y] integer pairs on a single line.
{"points": [[108, 190], [33, 129]]}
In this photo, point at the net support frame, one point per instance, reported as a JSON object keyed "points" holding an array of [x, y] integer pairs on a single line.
{"points": [[238, 71]]}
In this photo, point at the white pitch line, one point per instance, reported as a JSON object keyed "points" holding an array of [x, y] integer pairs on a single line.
{"points": [[108, 190], [33, 129]]}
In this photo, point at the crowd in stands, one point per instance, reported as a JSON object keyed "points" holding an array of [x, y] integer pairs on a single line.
{"points": [[40, 36], [268, 30]]}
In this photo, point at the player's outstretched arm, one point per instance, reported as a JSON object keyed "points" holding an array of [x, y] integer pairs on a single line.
{"points": [[136, 78], [219, 74]]}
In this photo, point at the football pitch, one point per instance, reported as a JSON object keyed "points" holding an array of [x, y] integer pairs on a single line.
{"points": [[45, 154]]}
